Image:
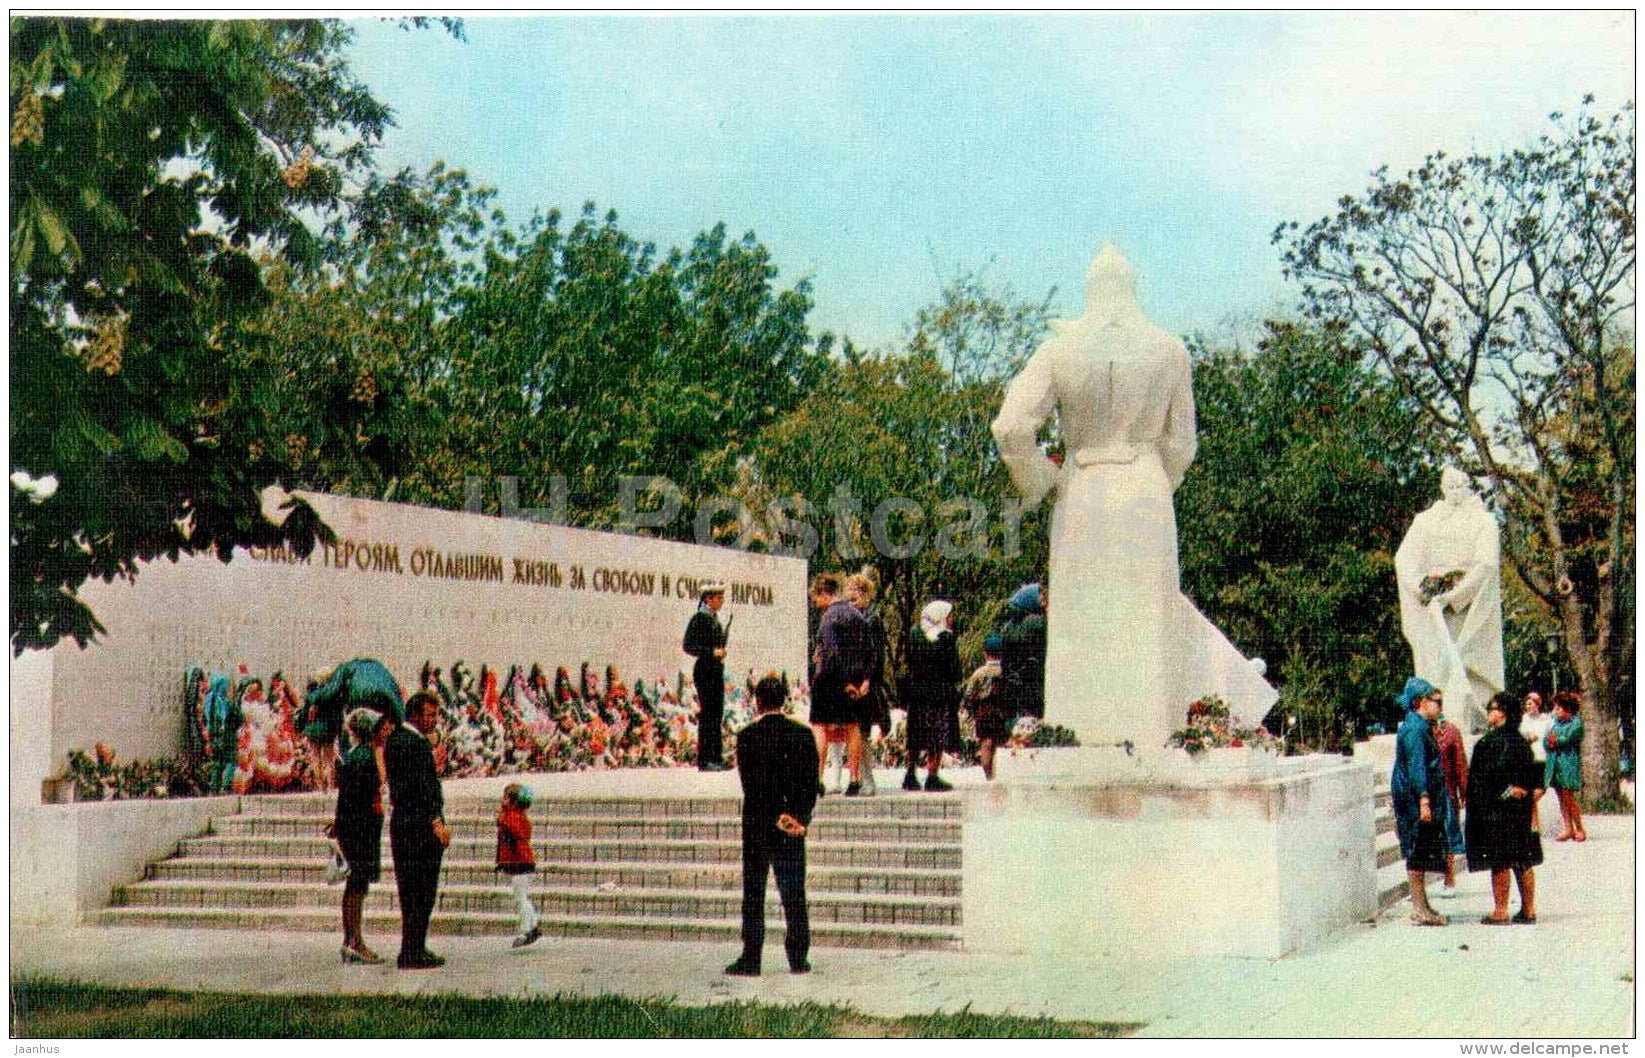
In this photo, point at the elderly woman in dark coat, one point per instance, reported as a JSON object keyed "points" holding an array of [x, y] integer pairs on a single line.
{"points": [[1500, 834], [933, 694], [1418, 791]]}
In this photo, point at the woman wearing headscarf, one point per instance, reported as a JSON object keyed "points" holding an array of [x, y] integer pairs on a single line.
{"points": [[1418, 789], [1500, 833], [358, 825], [222, 716], [933, 693]]}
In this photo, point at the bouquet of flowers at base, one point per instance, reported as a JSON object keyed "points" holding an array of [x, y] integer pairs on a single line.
{"points": [[1210, 726], [1033, 733]]}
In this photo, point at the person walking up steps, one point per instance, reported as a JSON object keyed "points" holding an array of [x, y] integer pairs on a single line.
{"points": [[515, 858]]}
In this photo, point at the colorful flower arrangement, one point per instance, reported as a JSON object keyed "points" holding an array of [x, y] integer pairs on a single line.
{"points": [[243, 739], [1211, 727], [241, 734]]}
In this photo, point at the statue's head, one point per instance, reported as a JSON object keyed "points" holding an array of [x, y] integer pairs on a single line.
{"points": [[1110, 278], [1455, 486]]}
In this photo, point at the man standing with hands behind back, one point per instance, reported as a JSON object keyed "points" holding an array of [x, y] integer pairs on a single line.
{"points": [[705, 640], [417, 831], [777, 763]]}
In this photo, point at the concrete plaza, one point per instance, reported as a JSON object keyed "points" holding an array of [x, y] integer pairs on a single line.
{"points": [[1571, 975]]}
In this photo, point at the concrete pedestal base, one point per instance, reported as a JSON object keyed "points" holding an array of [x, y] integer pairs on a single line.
{"points": [[1095, 852]]}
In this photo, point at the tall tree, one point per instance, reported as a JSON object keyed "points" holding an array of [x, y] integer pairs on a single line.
{"points": [[150, 162], [352, 358], [907, 436], [580, 352], [1493, 290], [1310, 466]]}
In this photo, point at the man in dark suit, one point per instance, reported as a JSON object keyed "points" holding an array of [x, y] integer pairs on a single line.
{"points": [[416, 829], [777, 763], [705, 640]]}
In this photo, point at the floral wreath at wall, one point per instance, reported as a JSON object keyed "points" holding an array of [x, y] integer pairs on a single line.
{"points": [[242, 734]]}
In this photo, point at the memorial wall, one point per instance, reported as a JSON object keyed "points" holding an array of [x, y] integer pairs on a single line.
{"points": [[409, 585]]}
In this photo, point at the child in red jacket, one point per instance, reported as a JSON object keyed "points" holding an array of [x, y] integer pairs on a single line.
{"points": [[515, 859]]}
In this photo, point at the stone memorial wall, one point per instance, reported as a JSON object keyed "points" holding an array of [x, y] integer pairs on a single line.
{"points": [[409, 585]]}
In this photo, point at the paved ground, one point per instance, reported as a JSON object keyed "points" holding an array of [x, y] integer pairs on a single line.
{"points": [[1569, 976]]}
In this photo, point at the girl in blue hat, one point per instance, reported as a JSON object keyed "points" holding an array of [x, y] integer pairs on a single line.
{"points": [[516, 859]]}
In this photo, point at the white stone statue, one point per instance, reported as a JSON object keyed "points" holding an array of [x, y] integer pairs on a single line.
{"points": [[1449, 568], [1126, 652]]}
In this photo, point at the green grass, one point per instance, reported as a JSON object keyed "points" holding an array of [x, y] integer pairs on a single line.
{"points": [[54, 1009]]}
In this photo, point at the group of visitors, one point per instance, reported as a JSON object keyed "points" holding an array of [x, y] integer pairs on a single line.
{"points": [[1485, 807], [850, 694]]}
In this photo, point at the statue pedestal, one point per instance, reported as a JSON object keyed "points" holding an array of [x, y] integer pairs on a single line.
{"points": [[1098, 853]]}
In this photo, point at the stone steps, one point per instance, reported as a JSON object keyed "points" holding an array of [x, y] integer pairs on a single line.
{"points": [[1392, 883], [460, 900], [470, 828], [904, 855], [881, 872], [895, 804], [621, 875]]}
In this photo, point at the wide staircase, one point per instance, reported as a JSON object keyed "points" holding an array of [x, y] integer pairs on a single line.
{"points": [[883, 872]]}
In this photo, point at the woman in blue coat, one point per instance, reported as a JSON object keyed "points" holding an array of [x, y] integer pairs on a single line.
{"points": [[1418, 788], [1564, 742]]}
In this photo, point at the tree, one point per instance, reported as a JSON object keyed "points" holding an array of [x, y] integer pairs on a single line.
{"points": [[1493, 289], [580, 353], [908, 435], [352, 357], [151, 162], [1310, 466]]}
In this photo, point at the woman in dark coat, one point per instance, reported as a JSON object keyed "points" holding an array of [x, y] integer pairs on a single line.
{"points": [[1500, 831], [1418, 791], [933, 699], [358, 826]]}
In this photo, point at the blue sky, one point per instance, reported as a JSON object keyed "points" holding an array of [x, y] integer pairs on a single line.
{"points": [[880, 155]]}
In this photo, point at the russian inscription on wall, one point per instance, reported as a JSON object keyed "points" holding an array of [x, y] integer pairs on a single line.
{"points": [[409, 585]]}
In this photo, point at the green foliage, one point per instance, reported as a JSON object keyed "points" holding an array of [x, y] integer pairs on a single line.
{"points": [[355, 352], [1310, 467], [915, 425], [578, 351], [51, 1009], [1497, 292], [150, 161]]}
